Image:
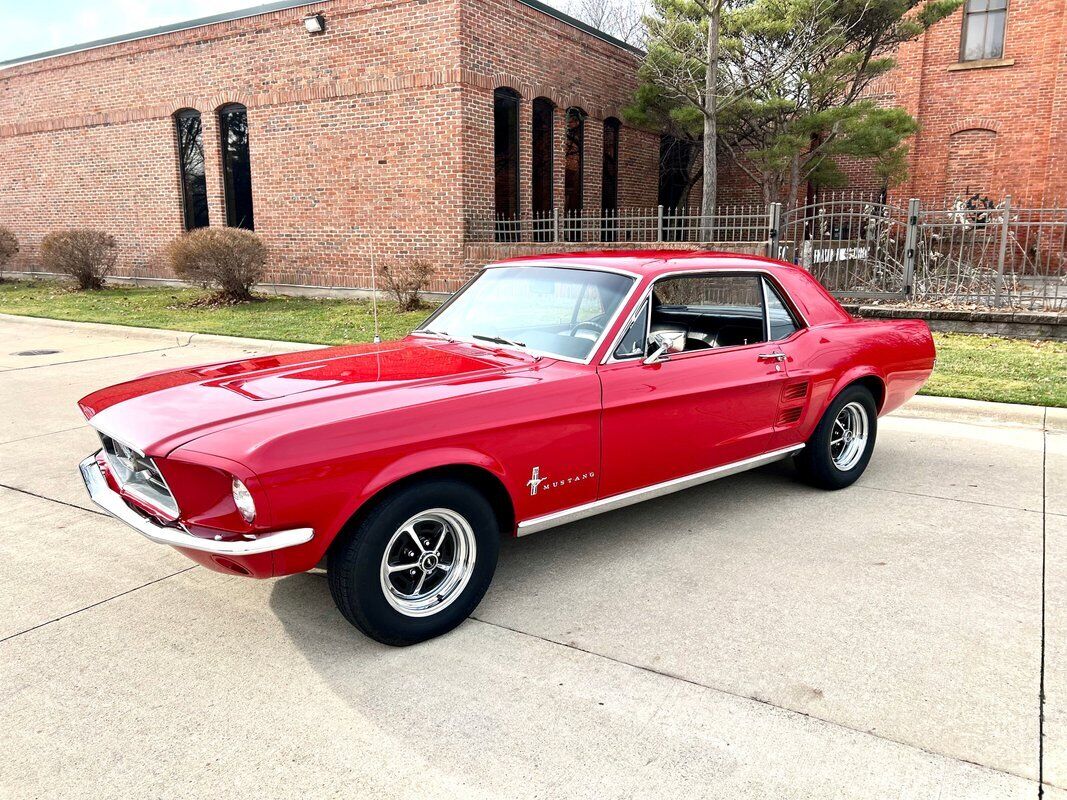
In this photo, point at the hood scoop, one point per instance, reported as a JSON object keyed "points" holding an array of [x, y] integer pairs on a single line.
{"points": [[363, 371]]}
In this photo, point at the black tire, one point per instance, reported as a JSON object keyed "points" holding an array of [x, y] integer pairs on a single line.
{"points": [[355, 562], [816, 462]]}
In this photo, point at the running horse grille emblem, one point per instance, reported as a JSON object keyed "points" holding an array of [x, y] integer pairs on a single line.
{"points": [[535, 480]]}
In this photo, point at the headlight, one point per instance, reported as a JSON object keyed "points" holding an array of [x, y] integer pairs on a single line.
{"points": [[242, 498]]}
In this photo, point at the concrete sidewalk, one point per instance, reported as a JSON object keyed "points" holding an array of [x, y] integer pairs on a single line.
{"points": [[749, 638]]}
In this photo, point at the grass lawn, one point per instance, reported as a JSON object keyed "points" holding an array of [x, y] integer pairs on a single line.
{"points": [[975, 367], [295, 319]]}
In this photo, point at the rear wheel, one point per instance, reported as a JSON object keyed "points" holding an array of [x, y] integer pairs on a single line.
{"points": [[841, 445], [418, 564]]}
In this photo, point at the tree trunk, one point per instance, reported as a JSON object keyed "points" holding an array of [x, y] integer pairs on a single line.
{"points": [[794, 184], [711, 89]]}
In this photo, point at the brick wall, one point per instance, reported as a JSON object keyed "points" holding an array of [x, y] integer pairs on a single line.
{"points": [[374, 138], [992, 128], [988, 128]]}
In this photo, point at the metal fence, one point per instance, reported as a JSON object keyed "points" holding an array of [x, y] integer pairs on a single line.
{"points": [[620, 225], [858, 247]]}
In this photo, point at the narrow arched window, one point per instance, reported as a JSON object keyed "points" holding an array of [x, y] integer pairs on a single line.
{"points": [[236, 166], [543, 201], [609, 179], [575, 164], [506, 161], [191, 166], [609, 184], [574, 171]]}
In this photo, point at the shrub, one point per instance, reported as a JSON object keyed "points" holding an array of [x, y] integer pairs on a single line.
{"points": [[87, 256], [9, 246], [407, 281], [229, 259]]}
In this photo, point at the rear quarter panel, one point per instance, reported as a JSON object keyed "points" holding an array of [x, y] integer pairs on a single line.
{"points": [[899, 353]]}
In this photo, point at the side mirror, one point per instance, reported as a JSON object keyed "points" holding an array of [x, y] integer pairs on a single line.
{"points": [[661, 345]]}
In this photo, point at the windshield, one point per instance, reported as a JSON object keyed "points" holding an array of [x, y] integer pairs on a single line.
{"points": [[553, 310]]}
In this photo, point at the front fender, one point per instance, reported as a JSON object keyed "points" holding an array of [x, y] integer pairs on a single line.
{"points": [[412, 464]]}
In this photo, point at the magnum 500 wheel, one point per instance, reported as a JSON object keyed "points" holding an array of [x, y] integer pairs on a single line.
{"points": [[418, 564], [840, 448]]}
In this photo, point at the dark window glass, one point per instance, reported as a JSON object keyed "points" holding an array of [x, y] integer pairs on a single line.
{"points": [[703, 312], [574, 172], [609, 180], [236, 166], [780, 320], [541, 177], [191, 164], [609, 186], [983, 29], [506, 161], [675, 161]]}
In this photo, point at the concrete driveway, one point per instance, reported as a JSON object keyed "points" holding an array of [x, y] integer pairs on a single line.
{"points": [[749, 638]]}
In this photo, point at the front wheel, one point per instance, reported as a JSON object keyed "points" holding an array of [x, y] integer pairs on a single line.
{"points": [[840, 447], [418, 564]]}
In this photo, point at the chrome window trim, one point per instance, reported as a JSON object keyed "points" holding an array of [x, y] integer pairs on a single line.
{"points": [[635, 282], [764, 273], [575, 513], [768, 289]]}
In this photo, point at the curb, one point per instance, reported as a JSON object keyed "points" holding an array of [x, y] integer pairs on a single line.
{"points": [[981, 412], [951, 409]]}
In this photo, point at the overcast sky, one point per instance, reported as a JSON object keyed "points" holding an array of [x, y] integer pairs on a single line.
{"points": [[32, 26]]}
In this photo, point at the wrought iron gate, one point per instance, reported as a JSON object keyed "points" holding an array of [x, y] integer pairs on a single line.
{"points": [[857, 248]]}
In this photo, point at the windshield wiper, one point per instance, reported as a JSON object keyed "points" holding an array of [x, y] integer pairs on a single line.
{"points": [[499, 340], [427, 332]]}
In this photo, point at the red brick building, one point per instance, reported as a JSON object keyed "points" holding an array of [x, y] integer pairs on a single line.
{"points": [[385, 133], [988, 86]]}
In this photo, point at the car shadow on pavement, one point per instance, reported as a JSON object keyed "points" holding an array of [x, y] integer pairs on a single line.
{"points": [[303, 604]]}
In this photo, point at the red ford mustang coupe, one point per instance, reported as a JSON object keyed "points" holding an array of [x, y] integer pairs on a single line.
{"points": [[549, 389]]}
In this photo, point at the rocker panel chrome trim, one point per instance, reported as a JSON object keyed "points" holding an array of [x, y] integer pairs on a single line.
{"points": [[547, 521]]}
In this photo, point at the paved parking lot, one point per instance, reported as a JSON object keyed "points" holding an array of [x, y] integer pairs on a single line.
{"points": [[749, 638]]}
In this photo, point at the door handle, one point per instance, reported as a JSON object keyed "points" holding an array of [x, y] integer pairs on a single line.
{"points": [[771, 357]]}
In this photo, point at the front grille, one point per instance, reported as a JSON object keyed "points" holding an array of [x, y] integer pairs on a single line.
{"points": [[137, 475]]}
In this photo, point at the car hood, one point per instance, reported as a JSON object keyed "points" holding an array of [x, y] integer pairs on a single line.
{"points": [[159, 412]]}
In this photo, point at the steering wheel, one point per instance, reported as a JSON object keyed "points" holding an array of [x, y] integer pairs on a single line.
{"points": [[596, 327]]}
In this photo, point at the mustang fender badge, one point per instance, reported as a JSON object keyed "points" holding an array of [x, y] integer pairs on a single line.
{"points": [[535, 480]]}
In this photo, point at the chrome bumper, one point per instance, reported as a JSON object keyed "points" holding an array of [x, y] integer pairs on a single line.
{"points": [[101, 494]]}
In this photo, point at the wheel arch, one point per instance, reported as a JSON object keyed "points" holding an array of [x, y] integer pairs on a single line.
{"points": [[480, 476], [867, 377]]}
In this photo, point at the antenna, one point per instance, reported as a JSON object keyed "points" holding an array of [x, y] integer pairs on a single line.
{"points": [[374, 298]]}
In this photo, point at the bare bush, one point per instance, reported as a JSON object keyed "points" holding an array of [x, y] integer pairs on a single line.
{"points": [[407, 281], [9, 247], [85, 255], [230, 260]]}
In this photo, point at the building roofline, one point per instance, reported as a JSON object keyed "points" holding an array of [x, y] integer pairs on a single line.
{"points": [[266, 8]]}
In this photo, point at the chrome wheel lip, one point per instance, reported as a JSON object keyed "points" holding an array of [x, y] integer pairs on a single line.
{"points": [[456, 536], [848, 436]]}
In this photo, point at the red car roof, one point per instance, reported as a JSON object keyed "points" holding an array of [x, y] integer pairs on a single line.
{"points": [[808, 295], [651, 262]]}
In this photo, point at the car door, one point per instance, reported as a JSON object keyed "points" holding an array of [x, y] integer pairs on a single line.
{"points": [[713, 403]]}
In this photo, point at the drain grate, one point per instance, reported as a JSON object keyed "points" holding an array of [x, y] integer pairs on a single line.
{"points": [[35, 353]]}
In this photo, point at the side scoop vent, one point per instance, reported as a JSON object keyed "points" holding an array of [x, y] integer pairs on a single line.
{"points": [[790, 416], [795, 391]]}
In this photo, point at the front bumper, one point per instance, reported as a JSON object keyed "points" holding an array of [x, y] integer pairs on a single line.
{"points": [[111, 502]]}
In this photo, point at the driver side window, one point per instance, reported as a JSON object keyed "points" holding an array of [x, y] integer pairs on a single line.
{"points": [[708, 311]]}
